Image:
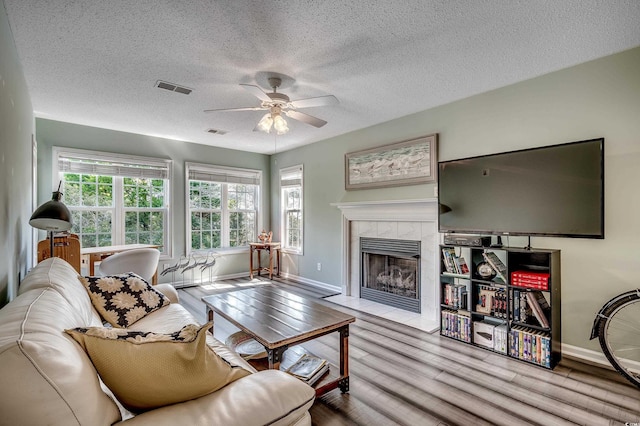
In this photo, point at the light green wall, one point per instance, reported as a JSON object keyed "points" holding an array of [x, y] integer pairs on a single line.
{"points": [[54, 133], [598, 98], [16, 130]]}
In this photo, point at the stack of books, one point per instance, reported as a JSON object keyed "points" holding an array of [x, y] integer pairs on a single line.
{"points": [[456, 325], [454, 264], [530, 279], [455, 295], [527, 305], [530, 345], [309, 368]]}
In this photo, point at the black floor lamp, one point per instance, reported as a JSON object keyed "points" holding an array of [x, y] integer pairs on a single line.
{"points": [[52, 216]]}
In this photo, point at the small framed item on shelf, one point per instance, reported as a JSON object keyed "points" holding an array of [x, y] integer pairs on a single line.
{"points": [[485, 301], [485, 271]]}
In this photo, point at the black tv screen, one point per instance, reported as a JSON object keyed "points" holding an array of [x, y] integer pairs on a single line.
{"points": [[554, 190]]}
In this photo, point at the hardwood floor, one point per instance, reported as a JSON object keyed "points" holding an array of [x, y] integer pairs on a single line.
{"points": [[404, 376]]}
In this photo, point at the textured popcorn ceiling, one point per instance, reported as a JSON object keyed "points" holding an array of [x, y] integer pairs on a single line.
{"points": [[95, 62]]}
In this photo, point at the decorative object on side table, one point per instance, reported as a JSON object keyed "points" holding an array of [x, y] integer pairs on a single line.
{"points": [[265, 237], [53, 216]]}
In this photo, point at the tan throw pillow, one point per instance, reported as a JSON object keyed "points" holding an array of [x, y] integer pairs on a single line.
{"points": [[147, 370], [123, 299]]}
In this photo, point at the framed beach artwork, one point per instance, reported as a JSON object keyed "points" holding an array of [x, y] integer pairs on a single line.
{"points": [[403, 163]]}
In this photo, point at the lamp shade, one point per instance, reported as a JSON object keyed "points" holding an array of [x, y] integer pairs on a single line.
{"points": [[52, 215], [265, 123], [280, 125]]}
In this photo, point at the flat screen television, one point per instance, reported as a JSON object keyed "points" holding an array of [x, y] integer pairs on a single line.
{"points": [[553, 190]]}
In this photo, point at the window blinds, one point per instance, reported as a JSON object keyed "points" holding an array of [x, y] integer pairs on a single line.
{"points": [[218, 174], [291, 176], [109, 165]]}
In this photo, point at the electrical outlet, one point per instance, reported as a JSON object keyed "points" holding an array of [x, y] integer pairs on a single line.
{"points": [[319, 266]]}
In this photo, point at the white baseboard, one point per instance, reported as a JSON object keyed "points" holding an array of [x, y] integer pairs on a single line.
{"points": [[186, 283], [587, 355], [319, 284]]}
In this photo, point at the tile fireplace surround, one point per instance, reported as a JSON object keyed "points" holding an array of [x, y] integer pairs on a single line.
{"points": [[394, 219]]}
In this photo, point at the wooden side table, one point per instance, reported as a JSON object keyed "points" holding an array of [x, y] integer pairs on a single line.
{"points": [[274, 251]]}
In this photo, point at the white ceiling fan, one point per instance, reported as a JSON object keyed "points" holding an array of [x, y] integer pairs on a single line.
{"points": [[278, 103]]}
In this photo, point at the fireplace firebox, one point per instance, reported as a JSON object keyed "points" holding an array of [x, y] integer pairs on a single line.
{"points": [[390, 272]]}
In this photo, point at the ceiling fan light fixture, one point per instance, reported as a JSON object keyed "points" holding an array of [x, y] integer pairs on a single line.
{"points": [[265, 123], [278, 104], [280, 125]]}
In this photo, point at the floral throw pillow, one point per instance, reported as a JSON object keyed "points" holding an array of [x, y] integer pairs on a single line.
{"points": [[123, 299]]}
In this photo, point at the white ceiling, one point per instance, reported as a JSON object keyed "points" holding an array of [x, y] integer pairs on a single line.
{"points": [[96, 62]]}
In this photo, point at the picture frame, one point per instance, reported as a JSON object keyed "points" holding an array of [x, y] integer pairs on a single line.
{"points": [[408, 162]]}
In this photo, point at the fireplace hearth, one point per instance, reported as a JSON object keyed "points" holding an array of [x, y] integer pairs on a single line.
{"points": [[390, 272]]}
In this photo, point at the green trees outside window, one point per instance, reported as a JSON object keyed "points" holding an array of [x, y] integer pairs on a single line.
{"points": [[292, 202], [110, 210], [222, 214]]}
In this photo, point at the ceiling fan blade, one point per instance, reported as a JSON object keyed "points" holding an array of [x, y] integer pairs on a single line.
{"points": [[305, 118], [257, 92], [235, 109], [313, 102]]}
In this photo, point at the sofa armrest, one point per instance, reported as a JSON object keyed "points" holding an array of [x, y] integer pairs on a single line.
{"points": [[268, 397], [169, 291]]}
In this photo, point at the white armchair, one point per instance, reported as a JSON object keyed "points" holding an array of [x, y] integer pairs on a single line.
{"points": [[143, 262]]}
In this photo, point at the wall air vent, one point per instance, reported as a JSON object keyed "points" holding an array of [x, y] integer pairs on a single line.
{"points": [[173, 87], [217, 132]]}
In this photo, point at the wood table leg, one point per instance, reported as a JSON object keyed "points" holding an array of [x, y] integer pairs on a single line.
{"points": [[250, 262], [210, 318], [270, 263], [93, 258], [259, 253], [343, 384]]}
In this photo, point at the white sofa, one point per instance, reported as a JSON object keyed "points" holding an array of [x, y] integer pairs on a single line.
{"points": [[46, 377]]}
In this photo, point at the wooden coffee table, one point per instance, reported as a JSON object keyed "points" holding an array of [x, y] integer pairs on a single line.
{"points": [[278, 319]]}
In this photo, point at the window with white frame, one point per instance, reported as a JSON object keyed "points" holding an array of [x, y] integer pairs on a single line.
{"points": [[291, 196], [222, 206], [115, 199]]}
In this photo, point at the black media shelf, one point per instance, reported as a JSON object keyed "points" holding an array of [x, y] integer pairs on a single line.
{"points": [[518, 317]]}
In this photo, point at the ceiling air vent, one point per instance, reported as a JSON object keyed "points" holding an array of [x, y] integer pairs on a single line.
{"points": [[173, 87], [217, 132]]}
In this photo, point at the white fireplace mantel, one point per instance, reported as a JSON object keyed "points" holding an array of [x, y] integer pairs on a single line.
{"points": [[417, 216], [390, 210]]}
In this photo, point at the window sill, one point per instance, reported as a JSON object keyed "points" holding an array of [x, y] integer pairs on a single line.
{"points": [[291, 251], [223, 251]]}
